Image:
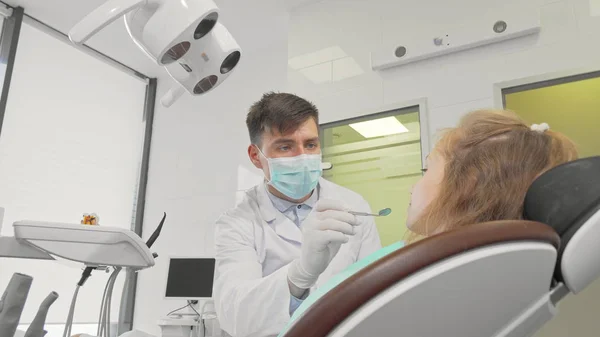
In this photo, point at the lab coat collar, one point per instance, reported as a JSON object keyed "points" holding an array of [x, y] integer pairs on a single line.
{"points": [[268, 211]]}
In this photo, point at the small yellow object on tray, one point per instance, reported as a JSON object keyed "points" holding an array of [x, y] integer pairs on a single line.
{"points": [[90, 219]]}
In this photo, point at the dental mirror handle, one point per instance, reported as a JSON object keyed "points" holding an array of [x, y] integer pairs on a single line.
{"points": [[383, 212], [362, 213]]}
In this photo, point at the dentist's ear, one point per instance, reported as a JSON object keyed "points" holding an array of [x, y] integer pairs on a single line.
{"points": [[254, 155]]}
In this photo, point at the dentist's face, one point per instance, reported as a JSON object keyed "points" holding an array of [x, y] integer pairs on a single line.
{"points": [[426, 189], [303, 140]]}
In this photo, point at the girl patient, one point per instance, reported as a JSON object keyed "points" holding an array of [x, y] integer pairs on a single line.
{"points": [[478, 171]]}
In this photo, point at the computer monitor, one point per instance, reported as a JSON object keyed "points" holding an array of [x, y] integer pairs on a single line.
{"points": [[190, 278]]}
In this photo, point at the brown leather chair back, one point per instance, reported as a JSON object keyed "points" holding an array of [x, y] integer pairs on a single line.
{"points": [[339, 303]]}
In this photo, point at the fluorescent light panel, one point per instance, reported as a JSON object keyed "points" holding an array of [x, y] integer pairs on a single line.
{"points": [[379, 127]]}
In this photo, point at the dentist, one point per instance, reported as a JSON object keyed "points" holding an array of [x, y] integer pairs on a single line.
{"points": [[290, 233]]}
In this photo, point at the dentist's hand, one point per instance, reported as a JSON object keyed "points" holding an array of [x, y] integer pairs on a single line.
{"points": [[325, 229]]}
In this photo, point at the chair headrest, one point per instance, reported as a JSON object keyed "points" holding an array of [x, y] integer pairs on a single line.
{"points": [[564, 194], [567, 198]]}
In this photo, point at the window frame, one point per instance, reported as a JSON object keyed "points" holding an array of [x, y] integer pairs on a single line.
{"points": [[391, 110], [502, 89]]}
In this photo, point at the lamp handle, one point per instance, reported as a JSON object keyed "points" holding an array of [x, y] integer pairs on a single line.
{"points": [[172, 95], [101, 17]]}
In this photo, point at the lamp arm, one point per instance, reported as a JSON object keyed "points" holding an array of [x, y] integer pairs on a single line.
{"points": [[101, 17]]}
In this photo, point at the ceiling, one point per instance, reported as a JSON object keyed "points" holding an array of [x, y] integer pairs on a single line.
{"points": [[114, 40]]}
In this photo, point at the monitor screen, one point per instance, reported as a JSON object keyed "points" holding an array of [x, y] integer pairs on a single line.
{"points": [[190, 278]]}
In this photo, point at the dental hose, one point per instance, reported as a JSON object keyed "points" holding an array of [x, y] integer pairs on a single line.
{"points": [[101, 314], [69, 323], [104, 320], [87, 272]]}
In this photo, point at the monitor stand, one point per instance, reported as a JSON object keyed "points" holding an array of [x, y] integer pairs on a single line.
{"points": [[196, 308], [181, 323], [190, 311]]}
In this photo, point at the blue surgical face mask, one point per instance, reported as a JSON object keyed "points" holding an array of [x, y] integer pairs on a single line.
{"points": [[297, 176]]}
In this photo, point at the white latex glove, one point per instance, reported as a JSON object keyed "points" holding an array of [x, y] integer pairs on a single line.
{"points": [[325, 229]]}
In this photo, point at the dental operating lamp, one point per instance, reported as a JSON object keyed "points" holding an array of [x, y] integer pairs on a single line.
{"points": [[185, 37]]}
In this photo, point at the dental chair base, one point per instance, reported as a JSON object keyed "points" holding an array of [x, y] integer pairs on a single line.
{"points": [[536, 316]]}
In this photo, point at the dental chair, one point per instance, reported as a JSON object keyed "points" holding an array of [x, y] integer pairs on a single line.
{"points": [[496, 279]]}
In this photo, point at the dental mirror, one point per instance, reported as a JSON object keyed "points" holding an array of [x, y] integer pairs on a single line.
{"points": [[383, 212]]}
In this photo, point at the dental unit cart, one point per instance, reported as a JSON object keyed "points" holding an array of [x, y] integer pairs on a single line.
{"points": [[96, 247]]}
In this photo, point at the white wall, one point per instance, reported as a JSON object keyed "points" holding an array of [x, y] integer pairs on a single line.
{"points": [[453, 84], [198, 145], [70, 144]]}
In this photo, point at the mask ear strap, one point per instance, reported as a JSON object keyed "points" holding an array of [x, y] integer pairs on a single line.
{"points": [[260, 151]]}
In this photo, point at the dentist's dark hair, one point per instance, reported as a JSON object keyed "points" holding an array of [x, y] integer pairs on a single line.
{"points": [[282, 112]]}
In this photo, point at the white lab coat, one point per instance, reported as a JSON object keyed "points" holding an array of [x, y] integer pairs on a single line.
{"points": [[254, 245]]}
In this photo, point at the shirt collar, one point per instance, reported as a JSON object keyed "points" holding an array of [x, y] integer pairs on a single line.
{"points": [[267, 207], [284, 205]]}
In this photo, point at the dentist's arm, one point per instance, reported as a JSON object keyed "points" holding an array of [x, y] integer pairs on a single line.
{"points": [[248, 303], [323, 233]]}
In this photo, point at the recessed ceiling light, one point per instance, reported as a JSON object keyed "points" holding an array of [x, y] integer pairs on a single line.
{"points": [[345, 68], [320, 56], [321, 73], [379, 127]]}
